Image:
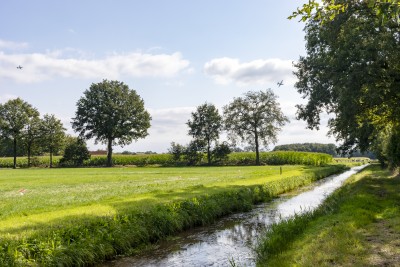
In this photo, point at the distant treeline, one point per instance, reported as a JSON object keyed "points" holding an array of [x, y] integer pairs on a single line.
{"points": [[330, 149]]}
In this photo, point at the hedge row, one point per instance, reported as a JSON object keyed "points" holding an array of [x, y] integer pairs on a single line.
{"points": [[240, 158]]}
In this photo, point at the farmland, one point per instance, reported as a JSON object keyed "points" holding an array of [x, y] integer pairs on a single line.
{"points": [[86, 215]]}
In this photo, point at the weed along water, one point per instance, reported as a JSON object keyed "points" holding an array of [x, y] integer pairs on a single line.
{"points": [[230, 241]]}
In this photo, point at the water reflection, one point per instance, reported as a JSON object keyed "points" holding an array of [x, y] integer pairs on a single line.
{"points": [[233, 237]]}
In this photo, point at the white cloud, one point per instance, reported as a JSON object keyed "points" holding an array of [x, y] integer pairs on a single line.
{"points": [[8, 45], [261, 71], [67, 63]]}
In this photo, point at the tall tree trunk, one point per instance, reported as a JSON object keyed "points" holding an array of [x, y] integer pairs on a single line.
{"points": [[15, 153], [257, 152], [51, 157], [109, 153], [29, 155], [208, 153]]}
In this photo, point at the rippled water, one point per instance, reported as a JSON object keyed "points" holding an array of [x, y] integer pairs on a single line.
{"points": [[231, 239]]}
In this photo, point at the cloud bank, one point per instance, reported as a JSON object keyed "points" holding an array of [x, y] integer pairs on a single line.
{"points": [[261, 71], [39, 67]]}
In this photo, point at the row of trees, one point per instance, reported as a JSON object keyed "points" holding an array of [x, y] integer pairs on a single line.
{"points": [[20, 124], [111, 113], [352, 70], [254, 119]]}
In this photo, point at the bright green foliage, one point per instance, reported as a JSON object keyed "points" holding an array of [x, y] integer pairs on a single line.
{"points": [[351, 70], [75, 153], [111, 113], [326, 11], [205, 126], [255, 118], [308, 147], [15, 115], [52, 134], [81, 216]]}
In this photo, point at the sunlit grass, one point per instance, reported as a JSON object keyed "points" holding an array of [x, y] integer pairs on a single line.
{"points": [[84, 215], [356, 225]]}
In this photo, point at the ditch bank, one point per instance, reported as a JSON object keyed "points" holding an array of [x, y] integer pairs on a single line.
{"points": [[103, 238], [231, 240]]}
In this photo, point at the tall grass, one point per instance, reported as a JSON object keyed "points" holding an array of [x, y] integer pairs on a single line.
{"points": [[333, 233], [234, 159], [76, 228]]}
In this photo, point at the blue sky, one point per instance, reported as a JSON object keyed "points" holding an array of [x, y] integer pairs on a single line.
{"points": [[175, 54]]}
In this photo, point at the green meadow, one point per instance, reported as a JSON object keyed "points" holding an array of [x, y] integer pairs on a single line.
{"points": [[358, 225], [80, 216]]}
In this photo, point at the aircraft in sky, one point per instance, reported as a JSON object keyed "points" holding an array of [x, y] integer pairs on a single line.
{"points": [[19, 67], [280, 83]]}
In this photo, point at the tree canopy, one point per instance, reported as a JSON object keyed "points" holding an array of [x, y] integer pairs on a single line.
{"points": [[15, 115], [351, 70], [205, 126], [111, 113], [52, 135], [255, 118], [327, 10]]}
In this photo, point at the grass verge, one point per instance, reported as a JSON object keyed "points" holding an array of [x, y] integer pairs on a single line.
{"points": [[77, 217], [358, 225]]}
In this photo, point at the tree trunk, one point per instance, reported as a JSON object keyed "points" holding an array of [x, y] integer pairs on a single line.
{"points": [[51, 157], [109, 153], [257, 152], [15, 153], [208, 153], [29, 156]]}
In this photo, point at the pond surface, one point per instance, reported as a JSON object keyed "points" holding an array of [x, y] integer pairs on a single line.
{"points": [[232, 239]]}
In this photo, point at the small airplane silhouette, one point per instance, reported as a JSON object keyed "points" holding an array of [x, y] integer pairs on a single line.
{"points": [[280, 83], [19, 67]]}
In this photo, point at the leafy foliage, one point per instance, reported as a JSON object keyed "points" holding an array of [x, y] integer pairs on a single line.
{"points": [[111, 113], [352, 70], [309, 147], [326, 11], [205, 126], [15, 115], [255, 118], [75, 153], [52, 134]]}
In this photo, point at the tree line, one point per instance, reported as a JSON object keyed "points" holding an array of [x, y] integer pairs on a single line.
{"points": [[113, 114]]}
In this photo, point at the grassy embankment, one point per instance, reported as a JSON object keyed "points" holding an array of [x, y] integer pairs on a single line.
{"points": [[359, 225], [74, 217]]}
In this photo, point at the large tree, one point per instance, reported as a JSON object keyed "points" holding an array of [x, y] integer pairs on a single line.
{"points": [[52, 134], [205, 126], [351, 70], [327, 10], [255, 118], [15, 115], [111, 113]]}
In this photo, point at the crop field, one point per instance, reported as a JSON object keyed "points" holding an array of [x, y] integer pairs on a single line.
{"points": [[80, 216]]}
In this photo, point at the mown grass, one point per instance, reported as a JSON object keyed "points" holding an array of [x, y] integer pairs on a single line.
{"points": [[75, 217], [359, 225]]}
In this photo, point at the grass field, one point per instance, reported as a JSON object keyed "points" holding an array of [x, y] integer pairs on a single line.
{"points": [[85, 215], [359, 225]]}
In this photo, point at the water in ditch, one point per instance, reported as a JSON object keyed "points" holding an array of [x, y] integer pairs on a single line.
{"points": [[231, 240]]}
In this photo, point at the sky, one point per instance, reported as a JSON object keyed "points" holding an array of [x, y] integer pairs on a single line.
{"points": [[175, 54]]}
